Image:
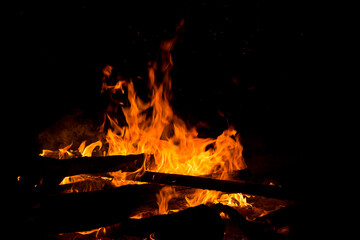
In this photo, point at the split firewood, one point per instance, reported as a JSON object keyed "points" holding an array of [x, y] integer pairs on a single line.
{"points": [[85, 211], [50, 172], [94, 182], [200, 222], [74, 166], [215, 184]]}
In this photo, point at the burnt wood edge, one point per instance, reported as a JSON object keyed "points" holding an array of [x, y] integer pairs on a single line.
{"points": [[215, 184], [88, 210], [74, 166], [48, 172], [199, 222]]}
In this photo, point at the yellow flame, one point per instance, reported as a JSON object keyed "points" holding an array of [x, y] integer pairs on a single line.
{"points": [[205, 196], [88, 150], [166, 194], [175, 146], [62, 153]]}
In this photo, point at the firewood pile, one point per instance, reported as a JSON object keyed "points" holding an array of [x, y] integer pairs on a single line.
{"points": [[95, 209]]}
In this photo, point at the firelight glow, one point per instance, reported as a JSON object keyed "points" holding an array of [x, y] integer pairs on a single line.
{"points": [[175, 146]]}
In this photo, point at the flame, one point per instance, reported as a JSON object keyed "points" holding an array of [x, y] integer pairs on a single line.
{"points": [[175, 146], [166, 194], [88, 150], [205, 196], [62, 153]]}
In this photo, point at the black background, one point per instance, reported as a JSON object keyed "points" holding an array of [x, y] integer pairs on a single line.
{"points": [[241, 63]]}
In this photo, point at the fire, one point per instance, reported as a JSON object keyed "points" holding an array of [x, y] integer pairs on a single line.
{"points": [[205, 196], [166, 194], [175, 146]]}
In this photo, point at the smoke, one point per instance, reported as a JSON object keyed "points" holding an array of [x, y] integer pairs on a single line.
{"points": [[70, 129]]}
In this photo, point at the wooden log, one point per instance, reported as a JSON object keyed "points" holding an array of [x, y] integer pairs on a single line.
{"points": [[50, 171], [282, 217], [215, 184], [249, 229], [74, 166], [88, 185], [85, 211], [200, 222], [103, 181]]}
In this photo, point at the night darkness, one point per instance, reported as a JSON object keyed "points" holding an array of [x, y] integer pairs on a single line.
{"points": [[236, 62]]}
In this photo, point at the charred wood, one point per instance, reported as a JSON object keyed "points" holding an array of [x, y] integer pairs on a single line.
{"points": [[252, 230], [84, 211], [74, 166], [200, 222], [215, 184], [88, 185], [50, 171], [99, 181], [283, 217]]}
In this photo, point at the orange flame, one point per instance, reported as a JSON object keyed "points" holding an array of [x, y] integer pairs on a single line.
{"points": [[166, 194], [176, 147]]}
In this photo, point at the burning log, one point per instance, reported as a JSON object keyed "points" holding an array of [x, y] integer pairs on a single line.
{"points": [[88, 185], [84, 211], [283, 217], [251, 229], [74, 166], [215, 184], [104, 181], [52, 171], [200, 222]]}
